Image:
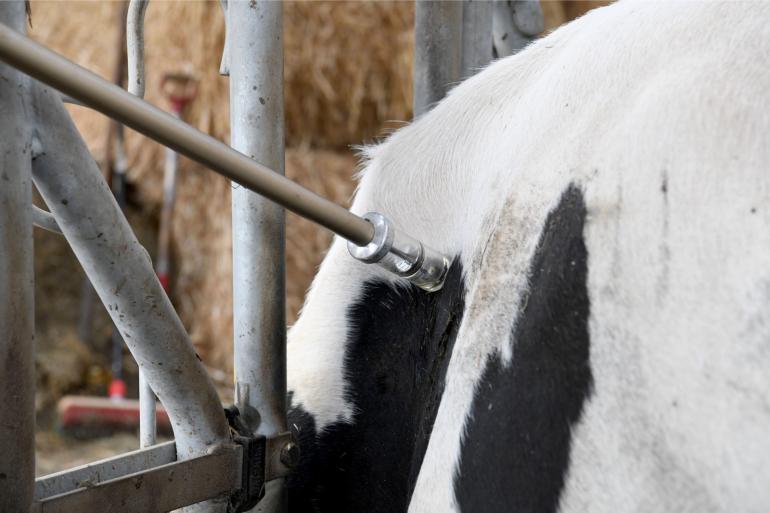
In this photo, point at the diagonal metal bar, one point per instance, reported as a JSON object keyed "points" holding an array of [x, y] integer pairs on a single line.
{"points": [[79, 83], [122, 274]]}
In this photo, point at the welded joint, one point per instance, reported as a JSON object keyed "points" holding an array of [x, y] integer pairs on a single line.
{"points": [[401, 254], [44, 220]]}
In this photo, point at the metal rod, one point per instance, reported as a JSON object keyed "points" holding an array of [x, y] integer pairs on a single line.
{"points": [[438, 29], [255, 47], [104, 470], [148, 423], [477, 35], [17, 369], [135, 46], [44, 220], [122, 274], [159, 488], [56, 71], [136, 86]]}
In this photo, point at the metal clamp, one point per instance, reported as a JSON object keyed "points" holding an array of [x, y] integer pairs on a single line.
{"points": [[402, 254], [264, 459]]}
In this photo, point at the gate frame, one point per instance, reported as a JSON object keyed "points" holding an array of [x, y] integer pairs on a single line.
{"points": [[42, 143]]}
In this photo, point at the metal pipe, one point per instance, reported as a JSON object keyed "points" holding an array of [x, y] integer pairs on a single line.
{"points": [[135, 46], [122, 274], [44, 220], [56, 71], [477, 35], [148, 423], [255, 54], [438, 29], [136, 86], [17, 368]]}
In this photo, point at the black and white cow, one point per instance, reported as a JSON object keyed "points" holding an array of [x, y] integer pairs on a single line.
{"points": [[602, 342]]}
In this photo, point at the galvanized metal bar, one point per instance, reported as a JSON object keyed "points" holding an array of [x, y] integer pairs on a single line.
{"points": [[104, 470], [477, 35], [438, 27], [122, 274], [135, 46], [158, 489], [255, 46], [17, 367], [148, 422], [79, 83], [44, 220], [136, 86]]}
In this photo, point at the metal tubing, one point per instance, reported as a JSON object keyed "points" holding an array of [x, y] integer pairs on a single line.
{"points": [[438, 29], [477, 35], [157, 489], [135, 46], [122, 274], [255, 49], [163, 260], [136, 86], [44, 220], [104, 470], [17, 370], [148, 423], [79, 83]]}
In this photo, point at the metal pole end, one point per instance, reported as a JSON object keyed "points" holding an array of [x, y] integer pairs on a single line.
{"points": [[402, 255]]}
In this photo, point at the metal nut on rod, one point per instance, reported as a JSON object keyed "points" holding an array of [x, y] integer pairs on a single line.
{"points": [[290, 455], [401, 254]]}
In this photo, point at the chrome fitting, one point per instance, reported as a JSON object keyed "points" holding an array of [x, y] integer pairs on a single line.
{"points": [[402, 255]]}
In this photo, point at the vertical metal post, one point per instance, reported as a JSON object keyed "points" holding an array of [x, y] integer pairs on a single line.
{"points": [[477, 35], [438, 42], [17, 369], [136, 85], [255, 57]]}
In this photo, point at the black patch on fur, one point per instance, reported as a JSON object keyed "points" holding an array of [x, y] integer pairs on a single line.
{"points": [[516, 451], [400, 343]]}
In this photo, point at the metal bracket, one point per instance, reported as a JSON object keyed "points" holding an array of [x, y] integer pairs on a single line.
{"points": [[264, 459]]}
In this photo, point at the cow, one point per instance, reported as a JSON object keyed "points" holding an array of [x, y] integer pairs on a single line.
{"points": [[602, 340]]}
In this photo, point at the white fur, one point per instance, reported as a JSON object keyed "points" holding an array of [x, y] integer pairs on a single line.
{"points": [[616, 102]]}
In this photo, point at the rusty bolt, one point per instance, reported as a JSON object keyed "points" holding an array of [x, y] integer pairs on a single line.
{"points": [[290, 455]]}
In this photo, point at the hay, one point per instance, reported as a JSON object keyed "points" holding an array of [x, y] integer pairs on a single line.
{"points": [[348, 74]]}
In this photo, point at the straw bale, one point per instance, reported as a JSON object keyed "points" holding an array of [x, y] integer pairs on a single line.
{"points": [[348, 69]]}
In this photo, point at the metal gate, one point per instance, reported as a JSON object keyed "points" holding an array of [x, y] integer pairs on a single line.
{"points": [[220, 460]]}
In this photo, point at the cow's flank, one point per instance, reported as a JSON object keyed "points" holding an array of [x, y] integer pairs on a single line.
{"points": [[515, 451]]}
